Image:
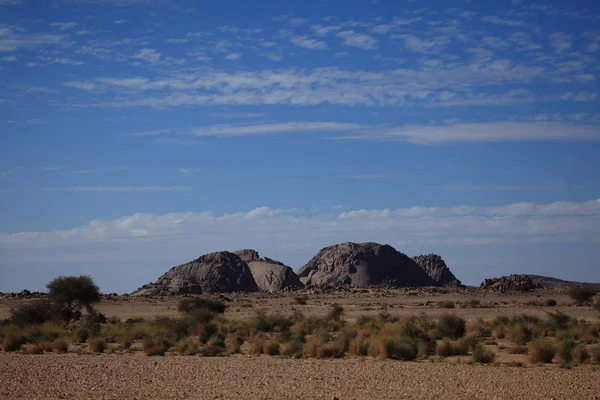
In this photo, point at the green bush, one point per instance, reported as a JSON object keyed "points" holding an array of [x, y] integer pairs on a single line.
{"points": [[402, 349], [551, 303], [33, 313], [201, 309], [451, 326]]}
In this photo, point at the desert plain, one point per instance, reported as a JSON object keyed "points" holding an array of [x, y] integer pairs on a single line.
{"points": [[83, 374]]}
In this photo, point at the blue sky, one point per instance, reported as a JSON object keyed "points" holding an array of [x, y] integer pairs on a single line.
{"points": [[139, 134]]}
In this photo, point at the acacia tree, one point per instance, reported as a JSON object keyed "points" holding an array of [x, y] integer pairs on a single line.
{"points": [[72, 293]]}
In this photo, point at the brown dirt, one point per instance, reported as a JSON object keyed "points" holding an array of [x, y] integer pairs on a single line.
{"points": [[139, 377]]}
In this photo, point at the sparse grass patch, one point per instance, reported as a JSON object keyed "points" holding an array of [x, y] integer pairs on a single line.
{"points": [[518, 350], [155, 346], [447, 348], [301, 300], [580, 355]]}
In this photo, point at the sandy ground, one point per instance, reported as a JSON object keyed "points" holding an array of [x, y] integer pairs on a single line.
{"points": [[369, 302], [139, 377]]}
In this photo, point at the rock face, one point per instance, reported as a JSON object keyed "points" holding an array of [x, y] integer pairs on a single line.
{"points": [[220, 272], [437, 270], [363, 264], [269, 275], [512, 283]]}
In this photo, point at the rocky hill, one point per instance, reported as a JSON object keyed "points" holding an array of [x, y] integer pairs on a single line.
{"points": [[363, 264], [220, 272], [512, 283], [437, 270], [524, 283], [269, 275]]}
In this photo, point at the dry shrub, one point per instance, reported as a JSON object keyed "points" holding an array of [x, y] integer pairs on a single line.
{"points": [[60, 346], [580, 355], [551, 303], [97, 345], [595, 352], [483, 355], [155, 346], [564, 350], [34, 349], [541, 351], [359, 346], [394, 348], [187, 346], [233, 342], [315, 342], [520, 334], [447, 348], [214, 347], [446, 304], [292, 349], [518, 350], [301, 300], [270, 348], [13, 342]]}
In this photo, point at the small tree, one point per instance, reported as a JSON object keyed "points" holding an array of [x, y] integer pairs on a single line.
{"points": [[72, 293]]}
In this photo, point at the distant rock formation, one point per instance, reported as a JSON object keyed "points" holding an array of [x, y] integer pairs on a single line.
{"points": [[512, 283], [437, 270], [363, 264], [269, 275], [553, 283], [220, 272]]}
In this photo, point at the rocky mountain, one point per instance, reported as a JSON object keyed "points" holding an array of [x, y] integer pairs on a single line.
{"points": [[512, 283], [363, 264], [219, 272], [269, 275], [437, 269]]}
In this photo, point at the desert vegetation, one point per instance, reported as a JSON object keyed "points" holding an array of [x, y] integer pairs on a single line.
{"points": [[202, 328]]}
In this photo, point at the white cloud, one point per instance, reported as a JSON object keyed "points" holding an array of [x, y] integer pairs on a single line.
{"points": [[276, 128], [303, 41], [148, 235], [483, 132], [561, 42], [148, 55], [321, 30], [63, 26], [189, 171], [355, 39], [11, 39], [233, 56], [503, 21], [60, 60]]}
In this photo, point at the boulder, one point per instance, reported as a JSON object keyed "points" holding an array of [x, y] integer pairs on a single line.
{"points": [[269, 275], [437, 270], [512, 283], [220, 272], [363, 265]]}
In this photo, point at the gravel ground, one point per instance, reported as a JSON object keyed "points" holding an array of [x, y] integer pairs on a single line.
{"points": [[139, 377]]}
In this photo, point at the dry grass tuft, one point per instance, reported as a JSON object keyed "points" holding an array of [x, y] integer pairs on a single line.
{"points": [[541, 351]]}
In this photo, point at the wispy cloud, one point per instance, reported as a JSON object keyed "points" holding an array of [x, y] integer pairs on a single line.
{"points": [[189, 171], [148, 55], [63, 26], [90, 171], [503, 21], [313, 44], [356, 39], [275, 128], [12, 39]]}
